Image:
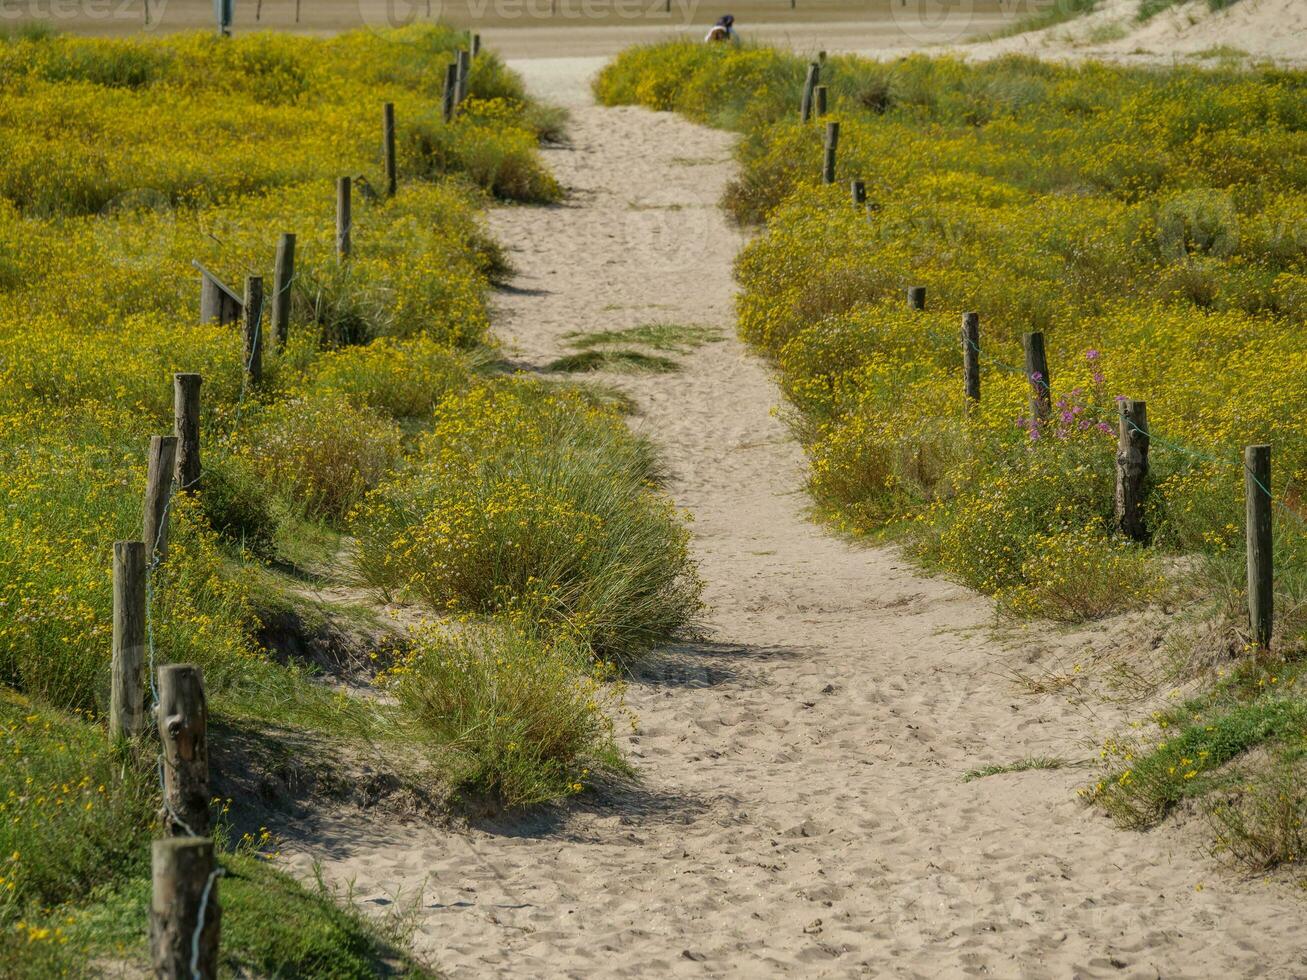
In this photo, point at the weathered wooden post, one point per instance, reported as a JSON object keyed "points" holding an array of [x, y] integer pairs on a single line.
{"points": [[1041, 386], [832, 142], [158, 490], [971, 355], [218, 304], [127, 689], [183, 720], [476, 45], [283, 275], [451, 91], [820, 92], [342, 218], [185, 919], [916, 297], [388, 146], [809, 85], [186, 428], [1132, 469], [1257, 498], [251, 336], [858, 190], [464, 63]]}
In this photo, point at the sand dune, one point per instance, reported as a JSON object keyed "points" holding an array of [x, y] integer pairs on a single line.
{"points": [[801, 810]]}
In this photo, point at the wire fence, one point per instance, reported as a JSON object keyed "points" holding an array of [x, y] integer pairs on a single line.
{"points": [[153, 567], [1112, 420]]}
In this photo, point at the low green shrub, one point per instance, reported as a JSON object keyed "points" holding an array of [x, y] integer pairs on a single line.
{"points": [[528, 720]]}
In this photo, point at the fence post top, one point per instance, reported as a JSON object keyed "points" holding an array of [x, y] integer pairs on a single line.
{"points": [[166, 845], [188, 376], [181, 668]]}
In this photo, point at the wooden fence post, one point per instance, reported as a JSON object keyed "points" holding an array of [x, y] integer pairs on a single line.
{"points": [[832, 143], [476, 45], [283, 275], [218, 304], [971, 355], [809, 85], [251, 336], [1041, 386], [820, 92], [451, 91], [186, 427], [859, 191], [343, 185], [1257, 497], [916, 297], [183, 720], [184, 897], [464, 63], [1132, 469], [388, 147], [127, 689], [158, 490]]}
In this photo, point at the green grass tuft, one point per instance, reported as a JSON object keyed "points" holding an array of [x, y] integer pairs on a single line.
{"points": [[615, 360], [675, 337], [1021, 765]]}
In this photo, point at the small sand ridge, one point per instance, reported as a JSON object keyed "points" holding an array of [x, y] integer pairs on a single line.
{"points": [[801, 810]]}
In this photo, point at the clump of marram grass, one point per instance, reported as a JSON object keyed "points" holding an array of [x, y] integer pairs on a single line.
{"points": [[524, 719], [403, 378], [1262, 825], [535, 502], [324, 451]]}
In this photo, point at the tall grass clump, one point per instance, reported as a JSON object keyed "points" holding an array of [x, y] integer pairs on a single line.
{"points": [[530, 501], [526, 719]]}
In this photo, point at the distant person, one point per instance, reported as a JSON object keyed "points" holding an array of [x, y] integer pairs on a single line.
{"points": [[723, 30]]}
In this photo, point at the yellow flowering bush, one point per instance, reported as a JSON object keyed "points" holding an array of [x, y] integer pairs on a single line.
{"points": [[530, 501], [73, 486], [98, 105], [324, 451], [404, 378]]}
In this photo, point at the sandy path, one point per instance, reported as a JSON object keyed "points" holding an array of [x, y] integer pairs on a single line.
{"points": [[802, 811]]}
